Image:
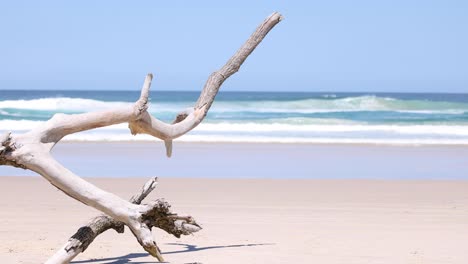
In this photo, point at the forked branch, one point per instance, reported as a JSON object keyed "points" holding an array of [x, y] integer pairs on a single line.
{"points": [[31, 150], [85, 235]]}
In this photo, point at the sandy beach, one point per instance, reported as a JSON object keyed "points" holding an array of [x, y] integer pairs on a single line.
{"points": [[254, 221], [293, 132]]}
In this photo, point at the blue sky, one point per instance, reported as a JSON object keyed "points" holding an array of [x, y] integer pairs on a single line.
{"points": [[395, 46]]}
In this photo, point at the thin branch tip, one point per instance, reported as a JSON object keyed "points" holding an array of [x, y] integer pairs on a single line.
{"points": [[280, 16], [146, 86], [4, 137], [168, 145]]}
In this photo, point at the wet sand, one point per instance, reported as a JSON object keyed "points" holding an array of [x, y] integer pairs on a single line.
{"points": [[261, 160]]}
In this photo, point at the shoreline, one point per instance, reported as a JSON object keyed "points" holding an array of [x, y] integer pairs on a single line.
{"points": [[227, 179], [344, 143], [244, 160]]}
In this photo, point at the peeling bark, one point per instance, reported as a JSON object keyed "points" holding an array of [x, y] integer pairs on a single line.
{"points": [[31, 151]]}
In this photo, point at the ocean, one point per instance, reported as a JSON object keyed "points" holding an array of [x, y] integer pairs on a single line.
{"points": [[270, 117]]}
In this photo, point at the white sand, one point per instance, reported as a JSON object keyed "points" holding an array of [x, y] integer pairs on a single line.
{"points": [[254, 221]]}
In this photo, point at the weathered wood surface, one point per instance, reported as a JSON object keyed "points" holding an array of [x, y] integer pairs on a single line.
{"points": [[31, 150], [85, 235]]}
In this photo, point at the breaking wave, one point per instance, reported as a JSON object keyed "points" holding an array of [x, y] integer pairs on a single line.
{"points": [[328, 118]]}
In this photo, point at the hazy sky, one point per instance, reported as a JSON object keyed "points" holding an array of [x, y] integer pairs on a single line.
{"points": [[397, 45]]}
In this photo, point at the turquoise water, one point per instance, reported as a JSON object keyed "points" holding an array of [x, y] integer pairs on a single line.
{"points": [[393, 118]]}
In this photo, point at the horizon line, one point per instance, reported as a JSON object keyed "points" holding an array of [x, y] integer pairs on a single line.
{"points": [[243, 91]]}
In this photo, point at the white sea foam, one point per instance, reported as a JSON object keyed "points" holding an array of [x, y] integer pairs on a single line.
{"points": [[401, 129], [281, 133], [458, 130], [324, 140], [24, 125], [61, 103], [349, 104], [284, 128], [260, 139], [306, 106]]}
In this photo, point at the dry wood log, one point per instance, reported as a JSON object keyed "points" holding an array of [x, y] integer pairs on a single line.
{"points": [[166, 220], [31, 150]]}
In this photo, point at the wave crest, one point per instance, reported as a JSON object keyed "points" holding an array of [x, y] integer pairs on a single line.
{"points": [[349, 104], [65, 104], [313, 105]]}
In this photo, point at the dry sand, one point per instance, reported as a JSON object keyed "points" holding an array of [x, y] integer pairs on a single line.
{"points": [[254, 221]]}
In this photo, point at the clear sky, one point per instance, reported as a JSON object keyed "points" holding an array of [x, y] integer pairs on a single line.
{"points": [[396, 46]]}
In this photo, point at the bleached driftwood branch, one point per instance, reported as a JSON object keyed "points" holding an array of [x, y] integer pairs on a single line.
{"points": [[166, 220], [85, 235], [31, 150]]}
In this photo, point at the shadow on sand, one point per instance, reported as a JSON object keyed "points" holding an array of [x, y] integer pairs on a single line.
{"points": [[130, 258]]}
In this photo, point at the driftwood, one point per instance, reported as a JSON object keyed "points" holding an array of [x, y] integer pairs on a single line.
{"points": [[31, 151], [85, 235]]}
